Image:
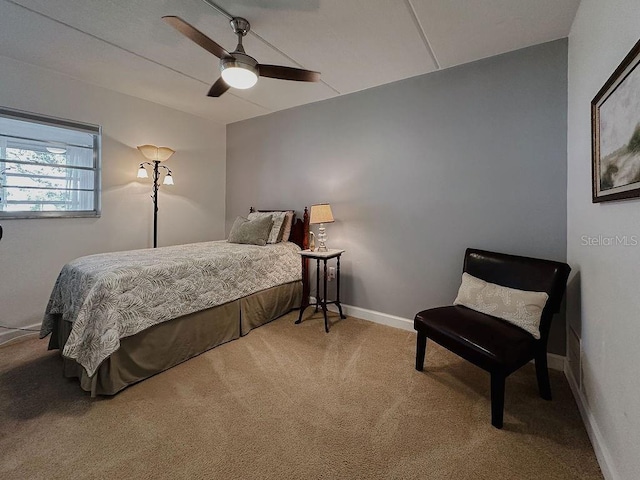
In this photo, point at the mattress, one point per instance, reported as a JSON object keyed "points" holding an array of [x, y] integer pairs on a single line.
{"points": [[111, 296]]}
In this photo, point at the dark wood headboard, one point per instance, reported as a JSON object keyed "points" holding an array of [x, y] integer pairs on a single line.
{"points": [[299, 228]]}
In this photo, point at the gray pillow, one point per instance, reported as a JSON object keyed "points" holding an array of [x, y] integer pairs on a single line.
{"points": [[278, 218], [254, 232]]}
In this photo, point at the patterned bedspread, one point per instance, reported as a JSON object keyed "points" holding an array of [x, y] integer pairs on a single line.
{"points": [[110, 296]]}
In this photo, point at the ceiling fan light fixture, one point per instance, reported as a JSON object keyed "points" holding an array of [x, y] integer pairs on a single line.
{"points": [[237, 69], [239, 72]]}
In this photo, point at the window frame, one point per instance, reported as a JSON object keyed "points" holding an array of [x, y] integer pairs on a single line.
{"points": [[95, 131]]}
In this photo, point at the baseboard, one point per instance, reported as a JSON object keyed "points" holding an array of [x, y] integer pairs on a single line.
{"points": [[375, 317], [8, 335], [599, 447], [554, 362]]}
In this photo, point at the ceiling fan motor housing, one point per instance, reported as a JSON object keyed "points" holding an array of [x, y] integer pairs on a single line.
{"points": [[239, 60]]}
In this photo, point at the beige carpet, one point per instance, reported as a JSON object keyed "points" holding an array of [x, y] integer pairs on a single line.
{"points": [[289, 401]]}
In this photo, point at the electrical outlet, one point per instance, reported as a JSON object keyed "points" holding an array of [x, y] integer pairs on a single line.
{"points": [[331, 273]]}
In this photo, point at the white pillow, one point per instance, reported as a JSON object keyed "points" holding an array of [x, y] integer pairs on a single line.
{"points": [[278, 220], [519, 307]]}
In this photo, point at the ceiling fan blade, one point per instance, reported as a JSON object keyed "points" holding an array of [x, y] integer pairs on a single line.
{"points": [[218, 88], [288, 73], [195, 35]]}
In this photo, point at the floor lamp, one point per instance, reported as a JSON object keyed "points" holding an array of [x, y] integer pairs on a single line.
{"points": [[155, 155]]}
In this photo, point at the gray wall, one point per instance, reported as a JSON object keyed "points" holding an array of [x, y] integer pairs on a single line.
{"points": [[418, 170]]}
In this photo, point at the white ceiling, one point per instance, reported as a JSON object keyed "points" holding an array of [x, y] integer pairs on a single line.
{"points": [[124, 45]]}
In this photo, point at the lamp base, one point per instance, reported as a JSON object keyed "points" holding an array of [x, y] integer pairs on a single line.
{"points": [[322, 238]]}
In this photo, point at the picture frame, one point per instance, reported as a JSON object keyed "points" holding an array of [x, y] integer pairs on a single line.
{"points": [[615, 133]]}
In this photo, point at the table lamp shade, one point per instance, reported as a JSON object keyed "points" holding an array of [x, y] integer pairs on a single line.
{"points": [[321, 213], [152, 152]]}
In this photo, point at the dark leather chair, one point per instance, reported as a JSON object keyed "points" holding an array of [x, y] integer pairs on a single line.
{"points": [[489, 342]]}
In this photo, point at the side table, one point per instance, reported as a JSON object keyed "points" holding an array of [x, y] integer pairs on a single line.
{"points": [[321, 302]]}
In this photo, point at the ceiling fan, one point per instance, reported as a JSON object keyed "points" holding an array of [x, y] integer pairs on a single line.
{"points": [[238, 69]]}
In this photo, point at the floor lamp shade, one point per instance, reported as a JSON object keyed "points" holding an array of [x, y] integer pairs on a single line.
{"points": [[160, 154]]}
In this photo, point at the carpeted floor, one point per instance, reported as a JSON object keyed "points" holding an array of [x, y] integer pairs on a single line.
{"points": [[289, 401]]}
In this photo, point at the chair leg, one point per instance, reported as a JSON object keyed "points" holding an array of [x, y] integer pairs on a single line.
{"points": [[542, 372], [421, 348], [497, 398]]}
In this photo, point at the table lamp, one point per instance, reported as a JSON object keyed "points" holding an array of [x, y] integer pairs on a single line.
{"points": [[321, 214]]}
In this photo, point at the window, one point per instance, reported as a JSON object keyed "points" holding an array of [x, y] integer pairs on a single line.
{"points": [[48, 167]]}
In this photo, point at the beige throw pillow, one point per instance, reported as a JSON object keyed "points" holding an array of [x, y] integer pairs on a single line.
{"points": [[519, 307], [278, 220], [286, 227]]}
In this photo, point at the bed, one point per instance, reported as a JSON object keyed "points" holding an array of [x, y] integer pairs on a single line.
{"points": [[121, 317]]}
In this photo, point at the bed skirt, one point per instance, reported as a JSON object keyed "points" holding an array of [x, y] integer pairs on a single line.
{"points": [[172, 342]]}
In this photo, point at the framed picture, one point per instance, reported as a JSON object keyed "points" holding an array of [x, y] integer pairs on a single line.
{"points": [[615, 133]]}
